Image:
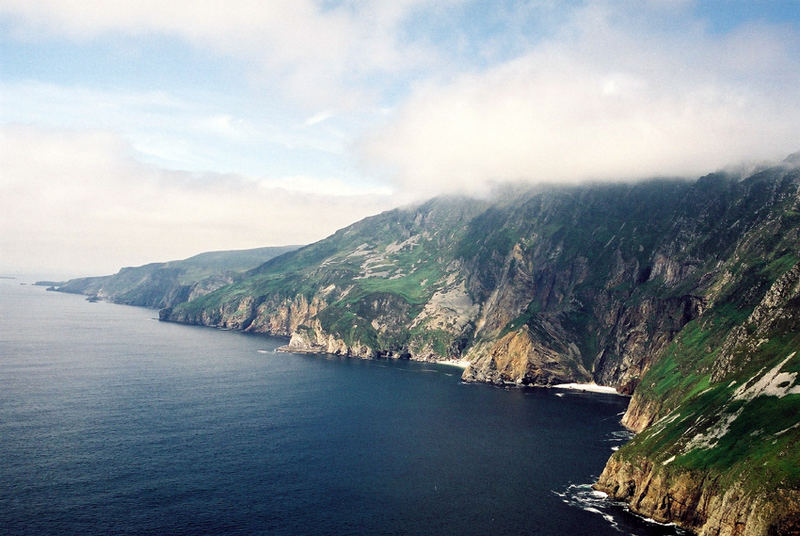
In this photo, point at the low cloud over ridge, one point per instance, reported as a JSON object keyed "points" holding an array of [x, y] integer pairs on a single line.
{"points": [[608, 98]]}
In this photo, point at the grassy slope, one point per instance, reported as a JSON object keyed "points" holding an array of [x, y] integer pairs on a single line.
{"points": [[400, 257], [214, 262]]}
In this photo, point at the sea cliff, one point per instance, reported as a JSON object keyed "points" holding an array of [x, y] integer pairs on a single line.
{"points": [[678, 293], [683, 294]]}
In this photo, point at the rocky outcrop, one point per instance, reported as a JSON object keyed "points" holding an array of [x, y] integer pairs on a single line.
{"points": [[697, 500], [527, 357], [273, 316], [777, 313], [641, 412], [284, 317], [632, 335], [314, 340]]}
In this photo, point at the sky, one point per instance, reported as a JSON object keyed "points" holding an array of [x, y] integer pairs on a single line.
{"points": [[133, 132]]}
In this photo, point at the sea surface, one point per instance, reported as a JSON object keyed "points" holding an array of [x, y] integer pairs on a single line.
{"points": [[112, 422]]}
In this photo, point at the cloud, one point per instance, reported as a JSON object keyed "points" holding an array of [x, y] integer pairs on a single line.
{"points": [[80, 202], [187, 131], [439, 97], [317, 118], [609, 97], [319, 52]]}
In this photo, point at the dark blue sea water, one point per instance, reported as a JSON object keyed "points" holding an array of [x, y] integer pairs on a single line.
{"points": [[114, 423]]}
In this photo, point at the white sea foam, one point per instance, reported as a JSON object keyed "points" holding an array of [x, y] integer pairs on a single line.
{"points": [[588, 499]]}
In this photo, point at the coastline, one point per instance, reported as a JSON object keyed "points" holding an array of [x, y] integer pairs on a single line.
{"points": [[460, 363], [589, 387]]}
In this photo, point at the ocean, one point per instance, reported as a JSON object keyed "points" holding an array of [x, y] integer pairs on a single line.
{"points": [[112, 422]]}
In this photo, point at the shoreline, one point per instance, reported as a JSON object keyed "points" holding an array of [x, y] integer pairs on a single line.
{"points": [[460, 363], [589, 387]]}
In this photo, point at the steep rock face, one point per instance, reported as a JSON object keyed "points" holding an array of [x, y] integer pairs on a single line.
{"points": [[640, 413], [527, 357], [315, 340], [717, 444], [285, 317], [633, 335], [697, 501], [778, 311], [274, 316]]}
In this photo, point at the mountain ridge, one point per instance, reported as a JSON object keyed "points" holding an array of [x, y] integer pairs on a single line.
{"points": [[161, 284]]}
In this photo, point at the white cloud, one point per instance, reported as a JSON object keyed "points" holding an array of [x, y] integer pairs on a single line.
{"points": [[612, 93], [189, 132], [80, 202], [227, 126], [318, 52], [324, 186], [317, 118], [609, 97]]}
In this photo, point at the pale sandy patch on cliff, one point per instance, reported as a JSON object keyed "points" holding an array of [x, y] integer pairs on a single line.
{"points": [[396, 246], [449, 309], [379, 264], [714, 434], [360, 251], [773, 383]]}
